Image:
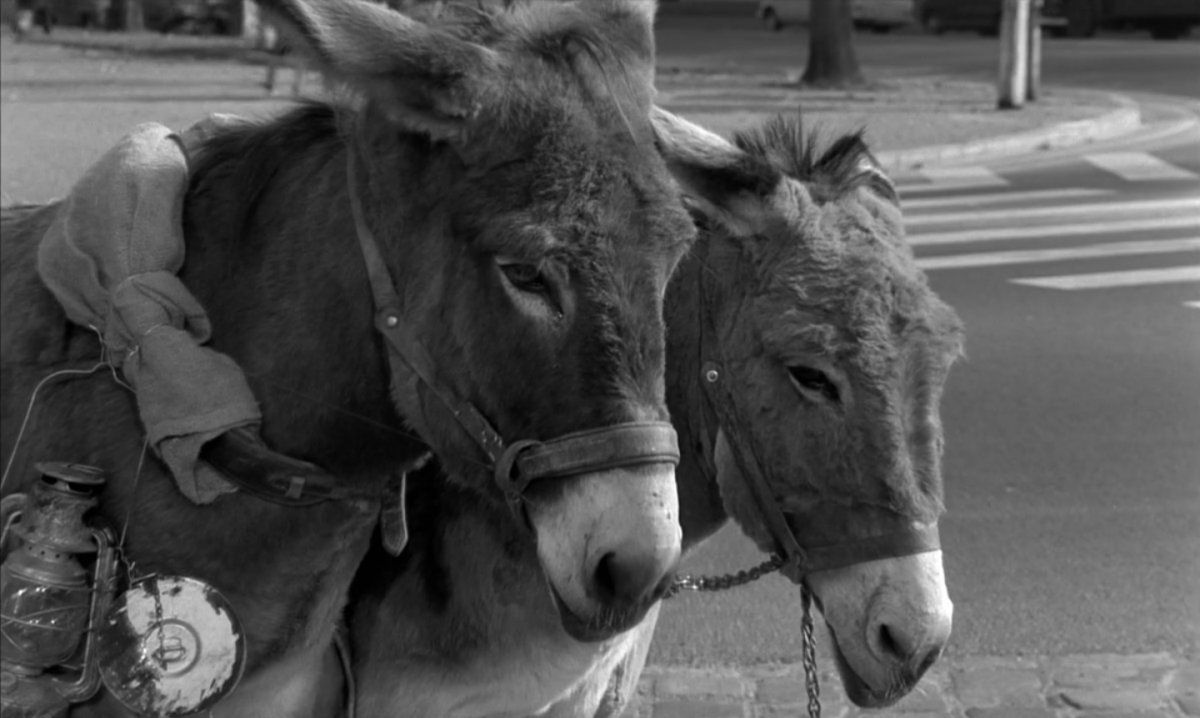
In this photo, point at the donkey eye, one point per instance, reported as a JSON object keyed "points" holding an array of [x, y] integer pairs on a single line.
{"points": [[815, 381], [526, 277]]}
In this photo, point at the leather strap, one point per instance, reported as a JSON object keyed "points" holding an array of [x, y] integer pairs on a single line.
{"points": [[393, 516], [402, 342], [516, 465], [584, 451], [919, 538], [245, 461]]}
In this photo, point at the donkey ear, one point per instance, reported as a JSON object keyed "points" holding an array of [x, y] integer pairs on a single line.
{"points": [[877, 180], [424, 78], [731, 185]]}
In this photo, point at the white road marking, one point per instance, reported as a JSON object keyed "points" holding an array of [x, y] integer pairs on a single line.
{"points": [[1106, 280], [1194, 305], [1116, 249], [1138, 166], [976, 200], [955, 178], [1050, 231], [1189, 205]]}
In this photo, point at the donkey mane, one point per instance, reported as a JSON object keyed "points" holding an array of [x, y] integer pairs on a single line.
{"points": [[243, 159], [785, 143]]}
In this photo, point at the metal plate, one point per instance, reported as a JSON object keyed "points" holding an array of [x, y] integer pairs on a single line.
{"points": [[170, 646]]}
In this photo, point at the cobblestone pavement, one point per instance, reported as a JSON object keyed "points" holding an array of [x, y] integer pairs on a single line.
{"points": [[1079, 686]]}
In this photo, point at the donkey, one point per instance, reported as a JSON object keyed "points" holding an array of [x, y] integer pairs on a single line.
{"points": [[802, 299], [504, 162]]}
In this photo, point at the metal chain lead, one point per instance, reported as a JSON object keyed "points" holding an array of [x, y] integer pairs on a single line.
{"points": [[809, 651], [727, 581], [741, 578]]}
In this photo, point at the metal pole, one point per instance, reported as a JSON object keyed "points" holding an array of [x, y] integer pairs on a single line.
{"points": [[1014, 54]]}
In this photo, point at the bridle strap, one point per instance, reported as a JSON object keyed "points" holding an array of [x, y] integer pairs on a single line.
{"points": [[242, 459], [389, 320], [613, 447], [795, 562], [516, 465], [915, 539]]}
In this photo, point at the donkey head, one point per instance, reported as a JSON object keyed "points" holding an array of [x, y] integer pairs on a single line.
{"points": [[506, 164], [834, 351]]}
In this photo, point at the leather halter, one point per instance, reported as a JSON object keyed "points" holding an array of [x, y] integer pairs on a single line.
{"points": [[514, 466], [797, 561]]}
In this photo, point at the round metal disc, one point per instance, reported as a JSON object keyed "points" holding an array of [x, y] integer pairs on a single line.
{"points": [[170, 646]]}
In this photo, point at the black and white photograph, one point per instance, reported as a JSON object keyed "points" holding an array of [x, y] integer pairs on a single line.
{"points": [[600, 358]]}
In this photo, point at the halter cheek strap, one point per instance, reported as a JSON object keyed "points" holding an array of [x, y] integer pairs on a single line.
{"points": [[797, 562], [514, 465]]}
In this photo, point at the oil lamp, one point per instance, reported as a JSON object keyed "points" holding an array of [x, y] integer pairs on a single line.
{"points": [[49, 600]]}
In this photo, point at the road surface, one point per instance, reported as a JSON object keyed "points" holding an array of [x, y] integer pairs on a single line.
{"points": [[1115, 62]]}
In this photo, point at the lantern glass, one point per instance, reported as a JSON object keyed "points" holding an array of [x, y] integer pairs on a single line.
{"points": [[44, 608]]}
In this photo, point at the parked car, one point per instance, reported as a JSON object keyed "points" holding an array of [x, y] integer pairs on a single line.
{"points": [[983, 16], [883, 15], [71, 13], [189, 17], [876, 15], [1165, 19]]}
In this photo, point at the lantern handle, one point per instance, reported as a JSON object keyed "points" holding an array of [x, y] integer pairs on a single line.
{"points": [[104, 589]]}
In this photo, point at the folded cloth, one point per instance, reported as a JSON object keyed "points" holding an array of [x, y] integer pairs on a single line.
{"points": [[111, 258]]}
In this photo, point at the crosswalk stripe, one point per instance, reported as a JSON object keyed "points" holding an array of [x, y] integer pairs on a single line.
{"points": [[976, 200], [1049, 231], [941, 178], [1173, 204], [1105, 280], [1138, 166], [1095, 251]]}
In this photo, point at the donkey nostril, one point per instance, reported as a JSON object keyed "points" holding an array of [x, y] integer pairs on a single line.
{"points": [[603, 580], [629, 579], [894, 645], [889, 646]]}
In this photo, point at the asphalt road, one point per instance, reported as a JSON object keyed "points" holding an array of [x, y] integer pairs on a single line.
{"points": [[1119, 62], [1073, 430]]}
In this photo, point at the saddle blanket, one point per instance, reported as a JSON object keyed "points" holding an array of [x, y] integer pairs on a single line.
{"points": [[111, 257]]}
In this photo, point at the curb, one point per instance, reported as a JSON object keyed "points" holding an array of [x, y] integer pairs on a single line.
{"points": [[1124, 120], [1153, 685]]}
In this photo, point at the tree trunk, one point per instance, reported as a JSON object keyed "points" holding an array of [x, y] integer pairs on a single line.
{"points": [[831, 58], [126, 15]]}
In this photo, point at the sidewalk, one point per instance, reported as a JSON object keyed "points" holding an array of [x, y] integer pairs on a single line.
{"points": [[910, 122], [1079, 686]]}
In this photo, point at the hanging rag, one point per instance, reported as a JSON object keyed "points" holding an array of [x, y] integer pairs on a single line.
{"points": [[111, 257]]}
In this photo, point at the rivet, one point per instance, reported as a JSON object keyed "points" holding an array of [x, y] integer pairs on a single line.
{"points": [[712, 375], [392, 321]]}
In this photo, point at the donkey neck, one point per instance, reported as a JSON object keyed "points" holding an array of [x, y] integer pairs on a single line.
{"points": [[701, 510], [272, 255]]}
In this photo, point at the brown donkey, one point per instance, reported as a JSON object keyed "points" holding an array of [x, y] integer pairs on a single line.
{"points": [[506, 168], [805, 346]]}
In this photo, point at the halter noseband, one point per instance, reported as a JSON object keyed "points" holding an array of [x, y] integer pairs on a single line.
{"points": [[516, 465], [795, 561]]}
